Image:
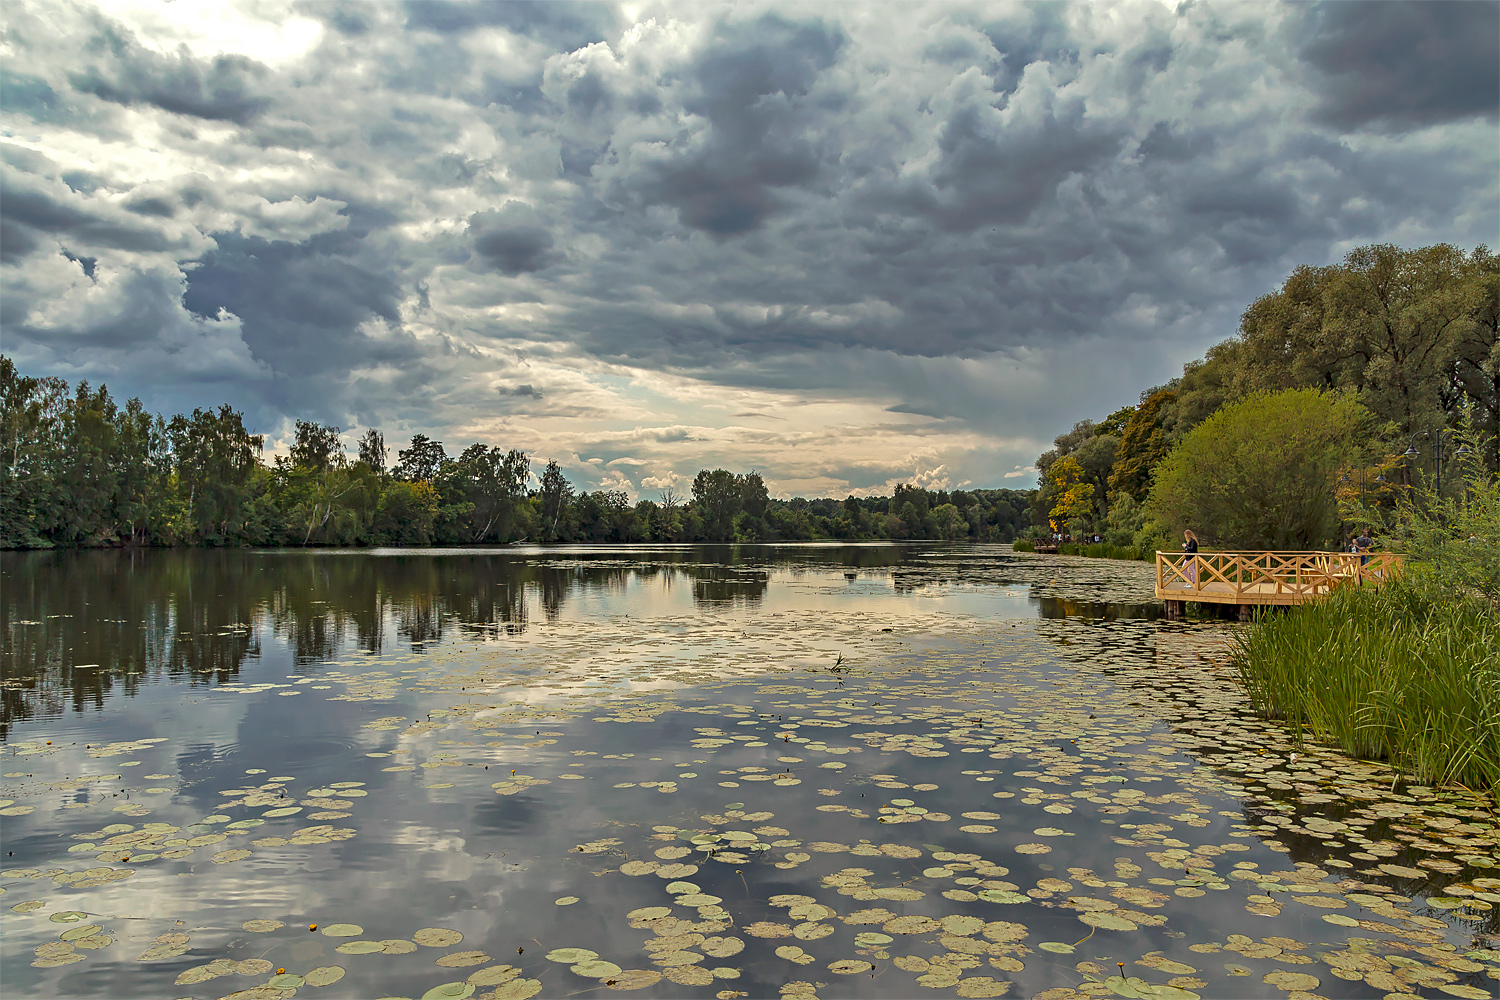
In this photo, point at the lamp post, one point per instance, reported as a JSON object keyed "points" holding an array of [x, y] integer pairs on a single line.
{"points": [[1437, 439]]}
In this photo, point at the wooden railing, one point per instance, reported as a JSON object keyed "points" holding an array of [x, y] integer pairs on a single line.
{"points": [[1267, 577]]}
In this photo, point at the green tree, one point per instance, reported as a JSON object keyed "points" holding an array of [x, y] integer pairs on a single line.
{"points": [[494, 482], [948, 522], [556, 492], [1262, 473], [1073, 495], [372, 451], [31, 424], [407, 513], [317, 447], [1143, 443], [717, 497], [422, 462], [216, 458]]}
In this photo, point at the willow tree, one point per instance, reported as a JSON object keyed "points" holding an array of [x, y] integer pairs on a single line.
{"points": [[1262, 473]]}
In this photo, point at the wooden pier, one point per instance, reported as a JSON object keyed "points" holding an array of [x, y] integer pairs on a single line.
{"points": [[1254, 579]]}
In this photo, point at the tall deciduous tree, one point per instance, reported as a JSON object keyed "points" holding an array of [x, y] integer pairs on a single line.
{"points": [[422, 462], [718, 497], [555, 494], [317, 447], [1143, 443], [1262, 473], [216, 457], [372, 451]]}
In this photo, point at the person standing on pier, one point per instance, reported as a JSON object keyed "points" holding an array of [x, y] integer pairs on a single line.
{"points": [[1190, 561]]}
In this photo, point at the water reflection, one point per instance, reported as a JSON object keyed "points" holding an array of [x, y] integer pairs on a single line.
{"points": [[80, 626], [972, 762]]}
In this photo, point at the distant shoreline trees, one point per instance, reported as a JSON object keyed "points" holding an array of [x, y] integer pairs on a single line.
{"points": [[78, 470]]}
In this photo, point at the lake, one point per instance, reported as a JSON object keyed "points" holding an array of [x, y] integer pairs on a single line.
{"points": [[687, 771]]}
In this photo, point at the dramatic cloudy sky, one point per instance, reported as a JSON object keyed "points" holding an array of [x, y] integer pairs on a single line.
{"points": [[844, 244]]}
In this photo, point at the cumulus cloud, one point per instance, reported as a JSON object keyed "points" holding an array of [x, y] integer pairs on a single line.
{"points": [[849, 246]]}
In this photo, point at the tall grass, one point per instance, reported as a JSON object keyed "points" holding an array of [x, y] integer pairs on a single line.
{"points": [[1402, 673], [1101, 551]]}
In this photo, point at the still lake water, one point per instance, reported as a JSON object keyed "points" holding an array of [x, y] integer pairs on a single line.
{"points": [[755, 771]]}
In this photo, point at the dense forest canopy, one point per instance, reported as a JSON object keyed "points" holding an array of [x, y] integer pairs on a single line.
{"points": [[1409, 335], [78, 469]]}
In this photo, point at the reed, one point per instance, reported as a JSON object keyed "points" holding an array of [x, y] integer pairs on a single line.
{"points": [[1402, 673], [1101, 551]]}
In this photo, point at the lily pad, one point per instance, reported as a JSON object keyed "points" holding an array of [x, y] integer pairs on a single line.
{"points": [[437, 937], [571, 956], [343, 930], [362, 948], [461, 959], [286, 981], [494, 975], [597, 969], [325, 975], [1108, 921], [449, 991]]}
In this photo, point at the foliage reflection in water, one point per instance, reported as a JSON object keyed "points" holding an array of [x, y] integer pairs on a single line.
{"points": [[800, 771]]}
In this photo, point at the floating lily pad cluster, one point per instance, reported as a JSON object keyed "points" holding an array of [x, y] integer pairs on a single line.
{"points": [[964, 806]]}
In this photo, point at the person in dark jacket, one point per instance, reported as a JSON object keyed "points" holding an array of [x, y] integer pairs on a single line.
{"points": [[1190, 557]]}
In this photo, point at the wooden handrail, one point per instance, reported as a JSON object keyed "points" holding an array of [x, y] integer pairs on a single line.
{"points": [[1268, 576]]}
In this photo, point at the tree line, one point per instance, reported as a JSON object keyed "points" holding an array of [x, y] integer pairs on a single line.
{"points": [[1342, 388], [77, 469]]}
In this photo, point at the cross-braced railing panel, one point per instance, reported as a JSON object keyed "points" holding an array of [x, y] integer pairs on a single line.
{"points": [[1267, 576]]}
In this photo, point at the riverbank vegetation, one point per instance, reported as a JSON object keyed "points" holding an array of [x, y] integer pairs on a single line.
{"points": [[1408, 672], [1396, 340], [77, 469], [1386, 674], [1094, 550]]}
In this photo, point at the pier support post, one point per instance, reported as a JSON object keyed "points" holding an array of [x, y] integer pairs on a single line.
{"points": [[1246, 611], [1176, 610]]}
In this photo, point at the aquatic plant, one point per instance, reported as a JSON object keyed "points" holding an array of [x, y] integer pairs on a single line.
{"points": [[1393, 674]]}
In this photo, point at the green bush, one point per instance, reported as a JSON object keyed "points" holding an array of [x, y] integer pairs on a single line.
{"points": [[1261, 472], [1402, 673], [1023, 545], [1451, 539]]}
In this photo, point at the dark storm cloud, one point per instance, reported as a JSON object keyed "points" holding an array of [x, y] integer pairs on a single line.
{"points": [[1404, 65], [29, 210], [753, 85], [974, 222], [509, 241], [344, 16], [993, 172], [121, 70], [302, 307]]}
